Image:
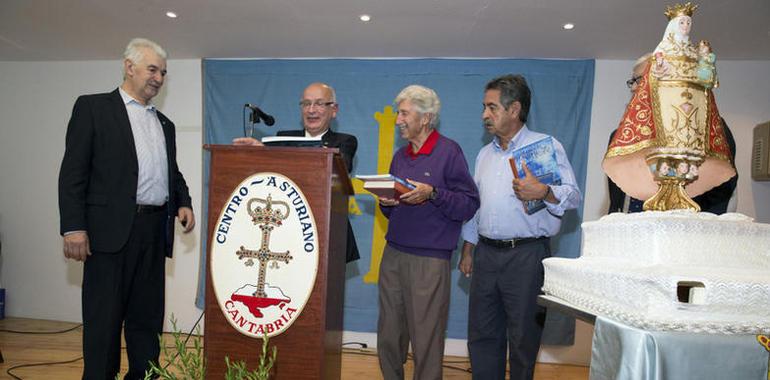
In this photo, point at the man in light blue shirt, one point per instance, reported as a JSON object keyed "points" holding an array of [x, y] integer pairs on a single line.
{"points": [[504, 246]]}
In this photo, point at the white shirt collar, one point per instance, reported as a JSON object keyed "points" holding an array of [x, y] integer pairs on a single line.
{"points": [[127, 99], [517, 138], [319, 136]]}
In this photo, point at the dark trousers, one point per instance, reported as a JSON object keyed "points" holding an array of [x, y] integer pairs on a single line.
{"points": [[125, 287], [503, 309]]}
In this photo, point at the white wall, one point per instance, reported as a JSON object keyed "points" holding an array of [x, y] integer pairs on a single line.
{"points": [[35, 103], [36, 100]]}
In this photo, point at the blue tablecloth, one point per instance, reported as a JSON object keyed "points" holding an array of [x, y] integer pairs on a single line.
{"points": [[623, 352]]}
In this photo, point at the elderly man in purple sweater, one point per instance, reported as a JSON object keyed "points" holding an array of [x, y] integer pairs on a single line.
{"points": [[424, 228]]}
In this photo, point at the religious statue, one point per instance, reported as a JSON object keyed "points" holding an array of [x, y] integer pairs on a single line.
{"points": [[671, 145]]}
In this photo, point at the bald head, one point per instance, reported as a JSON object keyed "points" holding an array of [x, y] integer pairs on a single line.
{"points": [[323, 87], [319, 107]]}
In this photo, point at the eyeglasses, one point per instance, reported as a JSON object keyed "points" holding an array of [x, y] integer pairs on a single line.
{"points": [[630, 83], [318, 104]]}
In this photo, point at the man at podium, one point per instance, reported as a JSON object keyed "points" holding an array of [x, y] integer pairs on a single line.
{"points": [[319, 107]]}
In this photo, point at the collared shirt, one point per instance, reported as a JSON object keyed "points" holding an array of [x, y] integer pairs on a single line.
{"points": [[431, 228], [150, 142], [307, 134], [502, 215], [426, 148]]}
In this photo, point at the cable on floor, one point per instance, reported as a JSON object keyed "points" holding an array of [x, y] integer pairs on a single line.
{"points": [[8, 371]]}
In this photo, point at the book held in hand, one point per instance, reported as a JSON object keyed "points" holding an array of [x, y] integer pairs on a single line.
{"points": [[540, 157], [385, 185]]}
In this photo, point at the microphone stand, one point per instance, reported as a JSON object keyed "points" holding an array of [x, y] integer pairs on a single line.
{"points": [[248, 131]]}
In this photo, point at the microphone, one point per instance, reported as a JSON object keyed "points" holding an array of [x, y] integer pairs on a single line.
{"points": [[257, 114]]}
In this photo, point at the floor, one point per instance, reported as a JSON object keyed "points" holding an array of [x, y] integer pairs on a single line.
{"points": [[28, 341]]}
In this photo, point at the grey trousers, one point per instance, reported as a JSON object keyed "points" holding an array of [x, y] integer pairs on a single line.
{"points": [[414, 306]]}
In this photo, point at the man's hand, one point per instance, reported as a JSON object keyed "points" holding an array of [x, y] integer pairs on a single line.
{"points": [[419, 194], [529, 188], [186, 218], [250, 141], [76, 246], [466, 260]]}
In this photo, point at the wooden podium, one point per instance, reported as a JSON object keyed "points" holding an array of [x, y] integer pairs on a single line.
{"points": [[311, 348]]}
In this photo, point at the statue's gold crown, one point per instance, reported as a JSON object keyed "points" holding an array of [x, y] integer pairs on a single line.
{"points": [[680, 10]]}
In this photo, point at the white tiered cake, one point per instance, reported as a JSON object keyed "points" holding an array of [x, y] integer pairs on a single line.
{"points": [[671, 270]]}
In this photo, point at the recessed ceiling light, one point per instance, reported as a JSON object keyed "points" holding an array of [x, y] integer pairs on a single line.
{"points": [[171, 14], [568, 26], [365, 18]]}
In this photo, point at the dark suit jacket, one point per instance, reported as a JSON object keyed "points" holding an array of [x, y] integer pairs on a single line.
{"points": [[347, 144], [99, 174]]}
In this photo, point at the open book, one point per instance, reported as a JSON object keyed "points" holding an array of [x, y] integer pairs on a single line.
{"points": [[291, 141], [385, 185], [540, 157]]}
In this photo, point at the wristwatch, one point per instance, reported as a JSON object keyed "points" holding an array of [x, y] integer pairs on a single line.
{"points": [[433, 194], [547, 192]]}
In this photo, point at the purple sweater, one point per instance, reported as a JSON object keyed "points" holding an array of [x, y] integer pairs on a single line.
{"points": [[433, 228]]}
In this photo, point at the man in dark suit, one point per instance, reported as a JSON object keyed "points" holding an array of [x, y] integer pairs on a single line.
{"points": [[319, 107], [119, 192]]}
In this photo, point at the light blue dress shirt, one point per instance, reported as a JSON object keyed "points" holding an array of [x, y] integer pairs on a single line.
{"points": [[150, 142], [502, 215]]}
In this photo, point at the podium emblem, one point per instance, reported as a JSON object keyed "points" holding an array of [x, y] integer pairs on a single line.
{"points": [[264, 255]]}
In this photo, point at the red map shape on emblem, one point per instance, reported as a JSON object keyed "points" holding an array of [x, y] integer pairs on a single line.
{"points": [[246, 296]]}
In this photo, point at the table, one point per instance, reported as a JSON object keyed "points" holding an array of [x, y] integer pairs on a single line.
{"points": [[620, 351]]}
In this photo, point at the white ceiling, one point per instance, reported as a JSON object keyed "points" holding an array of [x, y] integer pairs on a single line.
{"points": [[47, 30]]}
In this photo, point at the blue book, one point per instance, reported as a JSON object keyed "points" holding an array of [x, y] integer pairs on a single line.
{"points": [[540, 157]]}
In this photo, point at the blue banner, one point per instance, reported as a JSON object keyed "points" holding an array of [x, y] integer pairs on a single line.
{"points": [[562, 91]]}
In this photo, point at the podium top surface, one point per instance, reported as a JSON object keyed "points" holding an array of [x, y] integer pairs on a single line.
{"points": [[337, 162], [230, 147]]}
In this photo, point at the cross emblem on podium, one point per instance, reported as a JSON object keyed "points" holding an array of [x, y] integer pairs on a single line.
{"points": [[267, 219]]}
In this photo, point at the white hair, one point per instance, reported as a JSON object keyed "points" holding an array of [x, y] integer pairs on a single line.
{"points": [[135, 50], [423, 99]]}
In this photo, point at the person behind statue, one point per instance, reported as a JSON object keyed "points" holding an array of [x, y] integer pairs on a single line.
{"points": [[319, 107], [620, 201], [721, 199], [119, 192], [423, 228], [504, 246]]}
